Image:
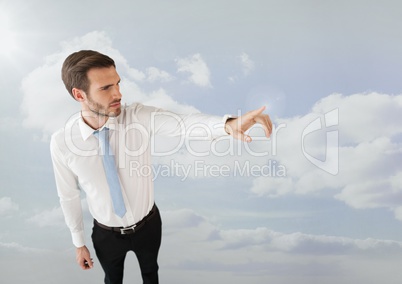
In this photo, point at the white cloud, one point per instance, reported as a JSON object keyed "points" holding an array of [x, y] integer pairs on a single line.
{"points": [[246, 63], [364, 117], [7, 206], [301, 243], [198, 69], [46, 104], [371, 194], [261, 254], [54, 217], [193, 245], [155, 74], [136, 75], [42, 265], [160, 98], [369, 152], [272, 186], [178, 221], [151, 74], [13, 246], [49, 218]]}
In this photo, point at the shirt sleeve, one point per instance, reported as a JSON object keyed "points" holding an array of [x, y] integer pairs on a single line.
{"points": [[69, 194], [163, 122]]}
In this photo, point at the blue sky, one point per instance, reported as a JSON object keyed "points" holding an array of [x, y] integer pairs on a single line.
{"points": [[322, 204]]}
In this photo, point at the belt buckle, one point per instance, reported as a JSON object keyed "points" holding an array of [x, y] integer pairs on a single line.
{"points": [[128, 230]]}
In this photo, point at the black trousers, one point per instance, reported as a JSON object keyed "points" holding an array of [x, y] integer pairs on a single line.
{"points": [[111, 249]]}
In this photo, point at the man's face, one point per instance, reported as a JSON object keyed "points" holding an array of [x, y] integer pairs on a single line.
{"points": [[103, 97]]}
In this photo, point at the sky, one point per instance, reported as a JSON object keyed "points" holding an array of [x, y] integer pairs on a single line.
{"points": [[318, 202]]}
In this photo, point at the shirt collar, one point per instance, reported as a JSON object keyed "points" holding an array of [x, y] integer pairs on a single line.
{"points": [[87, 131]]}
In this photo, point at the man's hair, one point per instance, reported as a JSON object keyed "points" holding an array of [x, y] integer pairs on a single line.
{"points": [[76, 66]]}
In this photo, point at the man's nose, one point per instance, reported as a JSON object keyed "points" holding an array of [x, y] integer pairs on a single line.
{"points": [[116, 93]]}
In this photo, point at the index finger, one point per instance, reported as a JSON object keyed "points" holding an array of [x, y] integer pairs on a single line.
{"points": [[257, 112]]}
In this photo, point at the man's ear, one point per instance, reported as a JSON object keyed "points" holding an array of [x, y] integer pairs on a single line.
{"points": [[79, 95]]}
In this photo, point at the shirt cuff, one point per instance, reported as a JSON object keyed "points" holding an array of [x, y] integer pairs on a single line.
{"points": [[226, 117], [224, 120], [78, 239]]}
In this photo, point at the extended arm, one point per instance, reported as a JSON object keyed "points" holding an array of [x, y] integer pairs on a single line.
{"points": [[171, 124]]}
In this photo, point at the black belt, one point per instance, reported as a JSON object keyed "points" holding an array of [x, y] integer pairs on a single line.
{"points": [[130, 229]]}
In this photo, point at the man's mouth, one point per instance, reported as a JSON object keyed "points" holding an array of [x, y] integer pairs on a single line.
{"points": [[115, 104]]}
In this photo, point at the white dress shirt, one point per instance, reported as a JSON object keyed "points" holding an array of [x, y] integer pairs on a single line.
{"points": [[78, 165]]}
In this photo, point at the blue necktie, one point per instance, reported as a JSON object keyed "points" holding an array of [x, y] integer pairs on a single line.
{"points": [[111, 172]]}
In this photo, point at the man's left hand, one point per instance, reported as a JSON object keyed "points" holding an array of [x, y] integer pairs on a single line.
{"points": [[238, 126]]}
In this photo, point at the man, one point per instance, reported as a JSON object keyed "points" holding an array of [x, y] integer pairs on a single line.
{"points": [[94, 152]]}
